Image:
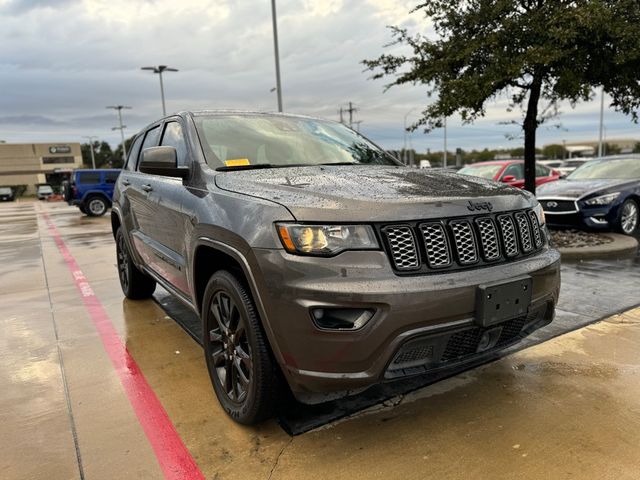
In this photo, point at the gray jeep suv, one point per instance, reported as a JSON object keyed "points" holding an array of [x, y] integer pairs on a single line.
{"points": [[316, 261]]}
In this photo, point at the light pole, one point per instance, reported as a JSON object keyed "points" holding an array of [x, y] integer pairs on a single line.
{"points": [[277, 54], [93, 157], [600, 145], [121, 127], [404, 145], [159, 69], [445, 143]]}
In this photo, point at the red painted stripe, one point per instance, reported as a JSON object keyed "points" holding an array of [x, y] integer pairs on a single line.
{"points": [[174, 458]]}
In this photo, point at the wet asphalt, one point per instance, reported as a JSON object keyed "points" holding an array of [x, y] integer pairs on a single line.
{"points": [[566, 405]]}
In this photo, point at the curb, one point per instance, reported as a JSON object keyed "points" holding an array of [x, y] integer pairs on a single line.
{"points": [[621, 246]]}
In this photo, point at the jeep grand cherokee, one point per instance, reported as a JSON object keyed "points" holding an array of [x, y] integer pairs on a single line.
{"points": [[317, 261]]}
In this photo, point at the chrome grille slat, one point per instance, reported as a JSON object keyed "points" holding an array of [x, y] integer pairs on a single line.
{"points": [[488, 239], [403, 247], [508, 231], [465, 241], [524, 231], [420, 247], [535, 226], [436, 245]]}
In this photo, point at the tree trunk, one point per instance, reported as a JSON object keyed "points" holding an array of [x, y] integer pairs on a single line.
{"points": [[530, 127]]}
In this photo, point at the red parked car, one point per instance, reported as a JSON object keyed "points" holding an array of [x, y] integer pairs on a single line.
{"points": [[509, 171]]}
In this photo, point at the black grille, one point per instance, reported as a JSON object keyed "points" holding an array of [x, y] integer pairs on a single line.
{"points": [[423, 247], [465, 343], [558, 206]]}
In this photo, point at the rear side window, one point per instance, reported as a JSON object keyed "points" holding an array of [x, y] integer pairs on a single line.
{"points": [[515, 169], [111, 177], [89, 178], [132, 159], [541, 171], [173, 136]]}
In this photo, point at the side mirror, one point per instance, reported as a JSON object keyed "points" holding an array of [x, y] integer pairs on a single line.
{"points": [[508, 178], [162, 161]]}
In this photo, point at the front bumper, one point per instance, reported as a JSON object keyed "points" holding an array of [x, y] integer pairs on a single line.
{"points": [[322, 364], [595, 218]]}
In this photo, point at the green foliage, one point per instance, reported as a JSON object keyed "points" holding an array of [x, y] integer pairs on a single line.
{"points": [[554, 152], [529, 50], [105, 157]]}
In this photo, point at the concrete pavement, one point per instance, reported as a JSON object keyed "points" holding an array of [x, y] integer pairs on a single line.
{"points": [[567, 408]]}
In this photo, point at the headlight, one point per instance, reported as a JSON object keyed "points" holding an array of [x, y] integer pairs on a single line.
{"points": [[326, 239], [540, 214], [607, 199]]}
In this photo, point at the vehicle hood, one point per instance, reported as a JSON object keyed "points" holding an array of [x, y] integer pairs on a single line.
{"points": [[373, 193], [577, 188]]}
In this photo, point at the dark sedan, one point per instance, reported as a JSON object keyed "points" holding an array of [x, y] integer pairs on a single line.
{"points": [[6, 194], [601, 194]]}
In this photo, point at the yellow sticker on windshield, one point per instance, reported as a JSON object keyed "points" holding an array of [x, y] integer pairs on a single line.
{"points": [[237, 162]]}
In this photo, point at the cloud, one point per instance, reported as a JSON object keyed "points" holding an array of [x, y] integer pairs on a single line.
{"points": [[63, 61]]}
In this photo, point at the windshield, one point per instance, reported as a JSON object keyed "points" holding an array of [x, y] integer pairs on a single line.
{"points": [[45, 189], [5, 191], [484, 171], [628, 168], [279, 141]]}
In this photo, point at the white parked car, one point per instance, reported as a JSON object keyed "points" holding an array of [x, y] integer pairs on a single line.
{"points": [[44, 191]]}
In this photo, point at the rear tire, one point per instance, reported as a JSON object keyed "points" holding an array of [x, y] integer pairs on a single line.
{"points": [[135, 284], [629, 217], [96, 206], [241, 367]]}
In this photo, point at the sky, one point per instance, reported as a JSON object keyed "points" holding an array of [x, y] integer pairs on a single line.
{"points": [[63, 61]]}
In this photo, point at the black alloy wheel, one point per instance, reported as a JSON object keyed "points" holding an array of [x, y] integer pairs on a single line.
{"points": [[241, 367], [135, 284]]}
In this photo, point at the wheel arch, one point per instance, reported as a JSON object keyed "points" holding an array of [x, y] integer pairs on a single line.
{"points": [[210, 256]]}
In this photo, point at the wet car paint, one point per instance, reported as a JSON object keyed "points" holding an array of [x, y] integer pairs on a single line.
{"points": [[514, 415]]}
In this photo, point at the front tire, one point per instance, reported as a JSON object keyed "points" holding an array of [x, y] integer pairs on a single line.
{"points": [[96, 206], [629, 217], [135, 284], [241, 368]]}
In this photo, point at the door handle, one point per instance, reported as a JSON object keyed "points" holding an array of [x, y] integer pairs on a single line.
{"points": [[147, 188], [126, 183]]}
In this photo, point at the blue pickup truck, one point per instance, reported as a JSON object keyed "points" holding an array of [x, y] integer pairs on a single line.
{"points": [[91, 190]]}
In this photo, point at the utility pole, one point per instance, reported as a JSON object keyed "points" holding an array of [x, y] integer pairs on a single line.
{"points": [[341, 112], [121, 128], [277, 53], [93, 157], [351, 111], [357, 124], [600, 144]]}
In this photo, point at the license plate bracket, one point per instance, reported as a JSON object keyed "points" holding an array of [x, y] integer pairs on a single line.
{"points": [[499, 302]]}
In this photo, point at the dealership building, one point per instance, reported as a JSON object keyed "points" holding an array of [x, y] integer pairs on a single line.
{"points": [[33, 164]]}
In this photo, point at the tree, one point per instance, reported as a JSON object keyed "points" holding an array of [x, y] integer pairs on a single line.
{"points": [[102, 151], [554, 151], [528, 50], [117, 155]]}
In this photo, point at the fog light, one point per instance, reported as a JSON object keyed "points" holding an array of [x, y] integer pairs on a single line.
{"points": [[341, 318]]}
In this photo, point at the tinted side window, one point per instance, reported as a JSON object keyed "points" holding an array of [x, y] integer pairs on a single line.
{"points": [[515, 169], [132, 159], [151, 138], [174, 137], [111, 177], [89, 178]]}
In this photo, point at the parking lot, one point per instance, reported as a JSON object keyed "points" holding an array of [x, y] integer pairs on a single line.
{"points": [[95, 386]]}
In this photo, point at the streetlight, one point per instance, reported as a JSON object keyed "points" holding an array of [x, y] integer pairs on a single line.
{"points": [[93, 157], [121, 128], [600, 144], [277, 54], [404, 150], [159, 69], [445, 143]]}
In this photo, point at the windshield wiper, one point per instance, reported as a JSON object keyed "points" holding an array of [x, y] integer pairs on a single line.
{"points": [[258, 166]]}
